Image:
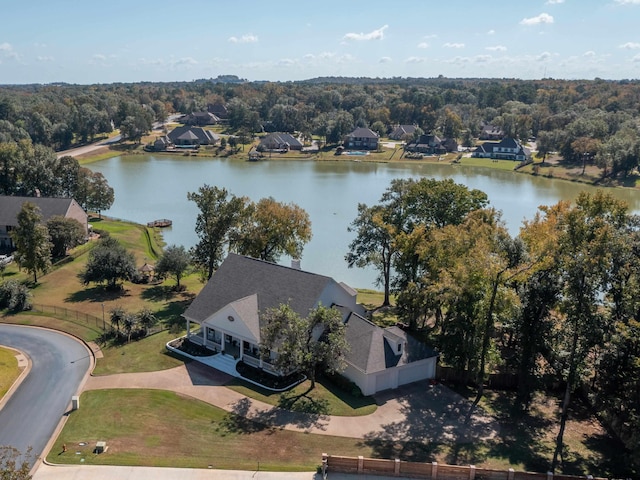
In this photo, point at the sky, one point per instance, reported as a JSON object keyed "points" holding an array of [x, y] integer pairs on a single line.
{"points": [[89, 41]]}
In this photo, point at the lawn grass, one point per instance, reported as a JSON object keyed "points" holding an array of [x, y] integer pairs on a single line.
{"points": [[324, 399], [509, 165], [146, 355], [9, 370], [159, 428]]}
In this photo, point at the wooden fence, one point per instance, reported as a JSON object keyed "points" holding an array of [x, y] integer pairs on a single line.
{"points": [[432, 471]]}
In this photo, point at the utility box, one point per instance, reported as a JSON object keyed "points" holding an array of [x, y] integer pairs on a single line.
{"points": [[75, 402], [101, 447]]}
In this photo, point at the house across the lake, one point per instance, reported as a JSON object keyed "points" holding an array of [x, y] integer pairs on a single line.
{"points": [[507, 149], [188, 136], [362, 139], [10, 206], [229, 312]]}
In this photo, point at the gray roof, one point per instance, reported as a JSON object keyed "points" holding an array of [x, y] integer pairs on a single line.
{"points": [[204, 136], [277, 139], [370, 348], [10, 207], [362, 132], [274, 284], [402, 130]]}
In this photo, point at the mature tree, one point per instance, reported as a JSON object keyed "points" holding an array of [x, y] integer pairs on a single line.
{"points": [[108, 263], [66, 172], [64, 233], [271, 229], [15, 465], [31, 238], [220, 213], [585, 240], [305, 344], [174, 261], [101, 195], [374, 244]]}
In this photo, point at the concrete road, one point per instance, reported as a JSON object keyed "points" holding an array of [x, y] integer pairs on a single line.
{"points": [[59, 364]]}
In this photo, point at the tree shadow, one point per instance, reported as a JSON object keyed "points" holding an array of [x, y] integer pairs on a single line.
{"points": [[303, 404], [237, 421], [97, 294]]}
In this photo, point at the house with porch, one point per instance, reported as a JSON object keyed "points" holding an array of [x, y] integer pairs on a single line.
{"points": [[228, 312], [189, 136]]}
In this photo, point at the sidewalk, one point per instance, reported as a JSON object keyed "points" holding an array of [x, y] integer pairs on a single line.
{"points": [[91, 472]]}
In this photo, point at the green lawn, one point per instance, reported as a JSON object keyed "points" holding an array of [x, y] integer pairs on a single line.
{"points": [[489, 163], [158, 428], [324, 399], [9, 370]]}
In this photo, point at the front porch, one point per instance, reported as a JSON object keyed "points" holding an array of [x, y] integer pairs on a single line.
{"points": [[230, 364]]}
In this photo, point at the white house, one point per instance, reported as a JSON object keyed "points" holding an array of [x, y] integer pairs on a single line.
{"points": [[229, 307]]}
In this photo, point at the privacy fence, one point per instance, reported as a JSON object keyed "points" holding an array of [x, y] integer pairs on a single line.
{"points": [[432, 471]]}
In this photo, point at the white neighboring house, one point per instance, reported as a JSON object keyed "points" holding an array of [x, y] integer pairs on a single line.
{"points": [[228, 310]]}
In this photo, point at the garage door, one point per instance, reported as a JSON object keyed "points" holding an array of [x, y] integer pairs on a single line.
{"points": [[412, 373], [383, 382]]}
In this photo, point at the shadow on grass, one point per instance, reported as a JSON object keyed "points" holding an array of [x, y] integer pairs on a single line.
{"points": [[303, 404], [237, 420], [354, 401], [97, 294]]}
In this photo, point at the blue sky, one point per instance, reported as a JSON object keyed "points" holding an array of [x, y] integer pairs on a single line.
{"points": [[86, 41]]}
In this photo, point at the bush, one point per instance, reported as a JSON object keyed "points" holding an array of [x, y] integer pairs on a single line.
{"points": [[15, 296], [102, 233], [344, 384]]}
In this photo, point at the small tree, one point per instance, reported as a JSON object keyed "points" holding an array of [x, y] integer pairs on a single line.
{"points": [[31, 239], [64, 233], [116, 316], [146, 319], [305, 343], [108, 262], [174, 261]]}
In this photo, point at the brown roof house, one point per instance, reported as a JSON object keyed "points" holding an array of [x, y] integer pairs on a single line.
{"points": [[229, 311], [491, 132], [200, 119], [401, 132], [432, 145], [10, 206], [362, 139]]}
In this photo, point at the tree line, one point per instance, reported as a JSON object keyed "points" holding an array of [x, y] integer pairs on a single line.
{"points": [[591, 122]]}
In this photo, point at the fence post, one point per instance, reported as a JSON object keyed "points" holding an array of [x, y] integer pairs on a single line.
{"points": [[434, 470], [472, 472], [511, 474], [360, 463], [396, 467], [324, 465], [549, 475]]}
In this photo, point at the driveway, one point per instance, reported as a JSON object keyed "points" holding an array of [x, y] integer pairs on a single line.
{"points": [[59, 364]]}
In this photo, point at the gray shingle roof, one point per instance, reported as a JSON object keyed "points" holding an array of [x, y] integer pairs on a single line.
{"points": [[371, 351], [277, 140], [362, 132], [241, 276], [10, 207], [204, 136]]}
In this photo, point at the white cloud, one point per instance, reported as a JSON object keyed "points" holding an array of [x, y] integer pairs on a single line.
{"points": [[543, 57], [542, 18], [453, 45], [5, 47], [7, 51], [286, 62], [482, 58], [491, 32], [589, 54], [554, 2], [185, 61], [497, 48], [628, 2], [45, 58], [373, 35], [244, 39], [385, 60], [630, 45], [414, 60], [636, 58], [423, 45]]}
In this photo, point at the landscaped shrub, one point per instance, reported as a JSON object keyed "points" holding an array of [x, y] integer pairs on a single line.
{"points": [[344, 384], [15, 296]]}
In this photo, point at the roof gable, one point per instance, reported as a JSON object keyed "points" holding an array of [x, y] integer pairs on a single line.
{"points": [[239, 277], [362, 132], [10, 206]]}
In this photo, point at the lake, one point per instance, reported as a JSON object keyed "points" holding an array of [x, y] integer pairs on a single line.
{"points": [[149, 187]]}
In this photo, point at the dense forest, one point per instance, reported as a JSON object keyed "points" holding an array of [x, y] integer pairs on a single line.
{"points": [[557, 304]]}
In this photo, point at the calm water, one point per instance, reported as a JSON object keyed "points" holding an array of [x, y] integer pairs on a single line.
{"points": [[148, 187]]}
